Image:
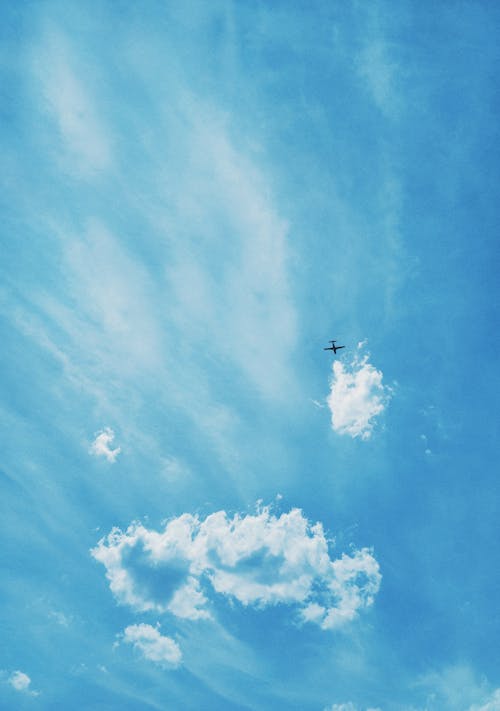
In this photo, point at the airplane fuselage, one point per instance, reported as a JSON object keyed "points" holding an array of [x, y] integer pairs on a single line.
{"points": [[333, 348]]}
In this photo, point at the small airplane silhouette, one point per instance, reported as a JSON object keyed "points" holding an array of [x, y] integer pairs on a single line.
{"points": [[333, 347]]}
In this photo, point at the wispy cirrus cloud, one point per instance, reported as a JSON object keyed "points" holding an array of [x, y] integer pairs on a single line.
{"points": [[154, 646], [101, 446], [232, 286], [377, 60], [69, 102], [458, 687], [221, 288], [357, 396], [378, 70], [258, 560]]}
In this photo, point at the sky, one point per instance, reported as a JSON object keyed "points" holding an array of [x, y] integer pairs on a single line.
{"points": [[202, 508]]}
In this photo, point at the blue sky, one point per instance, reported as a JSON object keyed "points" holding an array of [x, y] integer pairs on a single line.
{"points": [[202, 509]]}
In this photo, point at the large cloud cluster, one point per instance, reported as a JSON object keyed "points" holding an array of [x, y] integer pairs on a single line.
{"points": [[257, 560]]}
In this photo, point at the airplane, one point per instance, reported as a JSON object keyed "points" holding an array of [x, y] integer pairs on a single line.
{"points": [[333, 347]]}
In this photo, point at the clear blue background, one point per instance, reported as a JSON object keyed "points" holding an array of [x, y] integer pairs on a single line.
{"points": [[195, 197]]}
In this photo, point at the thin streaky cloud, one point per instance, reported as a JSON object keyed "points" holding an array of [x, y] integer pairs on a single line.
{"points": [[70, 104]]}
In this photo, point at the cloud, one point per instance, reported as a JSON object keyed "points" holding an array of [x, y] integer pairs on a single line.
{"points": [[376, 62], [239, 299], [153, 645], [459, 687], [425, 440], [349, 706], [378, 70], [129, 318], [66, 87], [21, 682], [490, 704], [100, 447], [257, 560], [357, 396], [317, 404], [60, 618]]}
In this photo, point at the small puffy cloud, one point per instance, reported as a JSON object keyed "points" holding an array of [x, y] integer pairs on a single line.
{"points": [[258, 560], [153, 645], [21, 682], [349, 706], [357, 396], [100, 447], [425, 441]]}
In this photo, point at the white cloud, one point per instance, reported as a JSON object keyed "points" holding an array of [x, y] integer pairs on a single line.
{"points": [[153, 645], [457, 688], [21, 682], [65, 84], [490, 704], [60, 618], [424, 439], [241, 304], [257, 560], [100, 447], [174, 469], [376, 62], [349, 706], [227, 296], [317, 404], [357, 396], [378, 71]]}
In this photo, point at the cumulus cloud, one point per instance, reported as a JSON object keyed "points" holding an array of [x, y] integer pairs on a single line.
{"points": [[258, 560], [100, 447], [21, 682], [153, 645], [357, 396]]}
